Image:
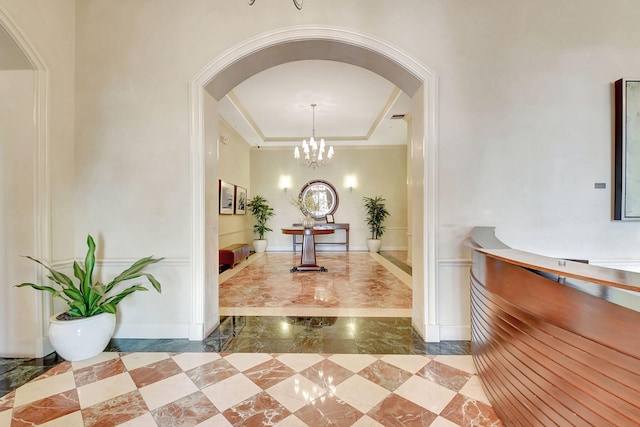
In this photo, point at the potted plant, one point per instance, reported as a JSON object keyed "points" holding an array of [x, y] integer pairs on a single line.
{"points": [[376, 214], [84, 330], [261, 211]]}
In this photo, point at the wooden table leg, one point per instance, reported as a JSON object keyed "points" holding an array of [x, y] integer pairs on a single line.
{"points": [[308, 257]]}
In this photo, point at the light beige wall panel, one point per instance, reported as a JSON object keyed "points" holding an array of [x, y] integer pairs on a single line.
{"points": [[454, 307], [18, 318], [49, 27]]}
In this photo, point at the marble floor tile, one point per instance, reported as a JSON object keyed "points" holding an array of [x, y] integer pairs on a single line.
{"points": [[117, 410], [167, 390], [105, 389], [361, 393], [329, 411], [268, 283], [296, 392], [385, 375], [231, 391], [425, 393], [398, 411], [188, 361], [44, 387], [265, 389]]}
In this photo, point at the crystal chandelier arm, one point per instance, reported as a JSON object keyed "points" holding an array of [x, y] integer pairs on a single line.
{"points": [[296, 3]]}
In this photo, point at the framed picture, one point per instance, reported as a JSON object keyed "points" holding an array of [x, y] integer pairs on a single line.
{"points": [[627, 151], [330, 219], [241, 201], [227, 200]]}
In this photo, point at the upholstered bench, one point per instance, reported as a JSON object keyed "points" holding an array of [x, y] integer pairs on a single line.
{"points": [[233, 254]]}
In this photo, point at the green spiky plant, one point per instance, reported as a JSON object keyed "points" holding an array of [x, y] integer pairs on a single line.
{"points": [[376, 214], [87, 298], [261, 211]]}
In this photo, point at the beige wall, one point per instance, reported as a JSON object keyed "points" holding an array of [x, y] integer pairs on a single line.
{"points": [[18, 307], [234, 168], [37, 144], [523, 124], [379, 171]]}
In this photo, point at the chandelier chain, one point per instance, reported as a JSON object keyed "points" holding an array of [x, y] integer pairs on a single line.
{"points": [[313, 153]]}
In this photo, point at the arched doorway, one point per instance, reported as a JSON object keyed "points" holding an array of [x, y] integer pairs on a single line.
{"points": [[264, 51]]}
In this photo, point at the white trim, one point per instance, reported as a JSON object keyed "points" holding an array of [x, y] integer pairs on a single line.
{"points": [[455, 333], [340, 36], [243, 232], [126, 262], [121, 262], [197, 147]]}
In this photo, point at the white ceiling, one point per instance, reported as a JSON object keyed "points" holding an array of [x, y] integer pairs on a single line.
{"points": [[354, 105]]}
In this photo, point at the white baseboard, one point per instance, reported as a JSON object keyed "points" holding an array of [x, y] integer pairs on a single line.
{"points": [[455, 333], [154, 331]]}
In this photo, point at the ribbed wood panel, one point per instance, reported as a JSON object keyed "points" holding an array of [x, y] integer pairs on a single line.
{"points": [[550, 355]]}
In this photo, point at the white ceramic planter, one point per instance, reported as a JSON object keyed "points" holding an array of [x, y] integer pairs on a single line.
{"points": [[259, 245], [374, 245], [82, 338]]}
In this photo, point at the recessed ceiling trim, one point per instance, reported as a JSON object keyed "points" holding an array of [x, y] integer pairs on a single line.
{"points": [[393, 97], [245, 115], [326, 138]]}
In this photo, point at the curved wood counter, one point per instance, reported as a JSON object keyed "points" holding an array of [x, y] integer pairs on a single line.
{"points": [[555, 342]]}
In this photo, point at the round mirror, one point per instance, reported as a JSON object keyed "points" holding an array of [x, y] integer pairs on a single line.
{"points": [[318, 199]]}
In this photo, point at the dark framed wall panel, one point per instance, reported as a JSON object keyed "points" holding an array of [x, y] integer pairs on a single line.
{"points": [[626, 196]]}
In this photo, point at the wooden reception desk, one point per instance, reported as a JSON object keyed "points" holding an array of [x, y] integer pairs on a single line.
{"points": [[555, 342]]}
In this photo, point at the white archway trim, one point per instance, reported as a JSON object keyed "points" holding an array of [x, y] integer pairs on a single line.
{"points": [[429, 151], [42, 200]]}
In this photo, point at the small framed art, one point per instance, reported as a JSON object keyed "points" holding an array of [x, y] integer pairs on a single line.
{"points": [[241, 201], [330, 219], [227, 200]]}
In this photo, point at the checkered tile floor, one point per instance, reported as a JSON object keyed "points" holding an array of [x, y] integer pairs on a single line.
{"points": [[253, 389]]}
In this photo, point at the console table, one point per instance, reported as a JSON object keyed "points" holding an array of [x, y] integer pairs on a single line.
{"points": [[308, 257], [341, 226]]}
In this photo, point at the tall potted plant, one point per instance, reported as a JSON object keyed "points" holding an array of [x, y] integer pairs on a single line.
{"points": [[261, 211], [84, 330], [376, 214]]}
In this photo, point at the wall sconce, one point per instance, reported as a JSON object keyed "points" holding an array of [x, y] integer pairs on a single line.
{"points": [[350, 181], [285, 182]]}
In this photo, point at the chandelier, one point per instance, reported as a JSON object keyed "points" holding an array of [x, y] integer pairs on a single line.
{"points": [[297, 3], [313, 153]]}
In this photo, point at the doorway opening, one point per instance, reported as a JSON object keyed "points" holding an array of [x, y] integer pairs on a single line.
{"points": [[243, 61]]}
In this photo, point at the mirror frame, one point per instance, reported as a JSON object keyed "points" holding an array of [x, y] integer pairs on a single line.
{"points": [[626, 205], [307, 187]]}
